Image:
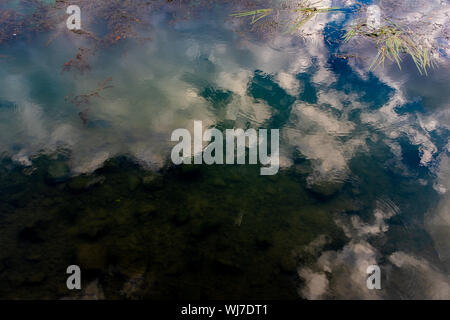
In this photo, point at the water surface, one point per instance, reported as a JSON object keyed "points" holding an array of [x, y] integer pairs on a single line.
{"points": [[363, 154]]}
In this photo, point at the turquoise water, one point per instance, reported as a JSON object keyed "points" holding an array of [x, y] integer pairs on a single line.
{"points": [[363, 158]]}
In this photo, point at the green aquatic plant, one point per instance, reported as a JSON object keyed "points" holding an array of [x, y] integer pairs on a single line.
{"points": [[306, 14], [392, 42], [255, 14], [305, 11]]}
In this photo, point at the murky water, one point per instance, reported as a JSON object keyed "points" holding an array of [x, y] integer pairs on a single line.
{"points": [[86, 176]]}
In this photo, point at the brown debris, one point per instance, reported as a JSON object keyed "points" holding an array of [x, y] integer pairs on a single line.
{"points": [[85, 99], [80, 62]]}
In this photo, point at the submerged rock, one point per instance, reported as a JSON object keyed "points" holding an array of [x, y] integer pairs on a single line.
{"points": [[153, 181], [30, 234], [218, 182], [227, 265], [93, 291], [287, 263], [133, 182], [203, 229], [181, 218], [58, 172], [36, 278], [82, 183], [92, 257], [325, 188], [144, 209], [133, 285]]}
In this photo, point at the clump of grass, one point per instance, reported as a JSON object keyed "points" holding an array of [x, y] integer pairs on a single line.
{"points": [[392, 43], [305, 11], [255, 14]]}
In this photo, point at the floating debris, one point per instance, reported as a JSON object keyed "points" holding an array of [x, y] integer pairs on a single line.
{"points": [[84, 99]]}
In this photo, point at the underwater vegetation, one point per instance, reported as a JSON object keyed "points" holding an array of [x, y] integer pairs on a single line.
{"points": [[140, 234]]}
